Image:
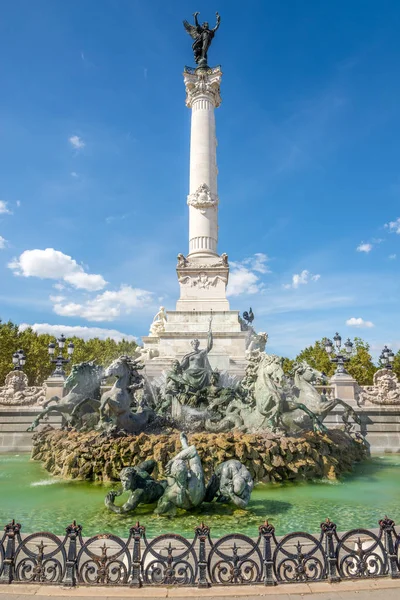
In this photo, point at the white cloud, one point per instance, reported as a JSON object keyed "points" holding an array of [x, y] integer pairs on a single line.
{"points": [[364, 247], [53, 264], [85, 281], [57, 298], [241, 281], [359, 322], [74, 174], [244, 276], [394, 226], [18, 203], [4, 210], [85, 333], [59, 286], [76, 142], [301, 279], [392, 256], [3, 242], [107, 306], [257, 262]]}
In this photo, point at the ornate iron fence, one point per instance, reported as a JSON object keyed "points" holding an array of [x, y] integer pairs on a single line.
{"points": [[171, 559]]}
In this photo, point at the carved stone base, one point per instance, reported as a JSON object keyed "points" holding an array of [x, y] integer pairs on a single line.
{"points": [[229, 349], [202, 281]]}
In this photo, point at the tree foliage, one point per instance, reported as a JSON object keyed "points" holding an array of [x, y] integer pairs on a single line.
{"points": [[360, 366], [396, 364], [318, 358], [38, 366]]}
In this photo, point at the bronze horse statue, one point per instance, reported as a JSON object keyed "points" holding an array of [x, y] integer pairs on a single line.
{"points": [[82, 386]]}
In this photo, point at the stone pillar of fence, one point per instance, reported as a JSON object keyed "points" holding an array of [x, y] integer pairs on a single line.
{"points": [[54, 387], [345, 387]]}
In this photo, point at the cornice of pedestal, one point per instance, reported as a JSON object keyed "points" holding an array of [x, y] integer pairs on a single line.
{"points": [[212, 263], [202, 83]]}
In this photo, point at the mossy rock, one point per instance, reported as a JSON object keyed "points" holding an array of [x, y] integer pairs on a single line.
{"points": [[93, 457]]}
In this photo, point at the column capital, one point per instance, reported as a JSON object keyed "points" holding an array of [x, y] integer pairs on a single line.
{"points": [[202, 83]]}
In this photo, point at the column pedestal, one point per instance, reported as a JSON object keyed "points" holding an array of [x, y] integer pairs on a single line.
{"points": [[229, 342], [345, 387], [54, 387]]}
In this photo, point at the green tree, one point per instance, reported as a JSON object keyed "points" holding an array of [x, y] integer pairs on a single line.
{"points": [[318, 358], [287, 365], [396, 364], [360, 365], [38, 366]]}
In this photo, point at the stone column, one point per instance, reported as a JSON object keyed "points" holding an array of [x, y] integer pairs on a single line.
{"points": [[54, 387], [203, 96], [345, 387]]}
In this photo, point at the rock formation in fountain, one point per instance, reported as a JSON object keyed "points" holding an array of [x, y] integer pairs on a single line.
{"points": [[93, 456]]}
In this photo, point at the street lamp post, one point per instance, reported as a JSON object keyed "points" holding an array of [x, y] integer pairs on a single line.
{"points": [[19, 360], [60, 361], [336, 355], [387, 358]]}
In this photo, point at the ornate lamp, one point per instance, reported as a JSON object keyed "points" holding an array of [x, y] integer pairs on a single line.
{"points": [[60, 361], [336, 355], [19, 360], [387, 358]]}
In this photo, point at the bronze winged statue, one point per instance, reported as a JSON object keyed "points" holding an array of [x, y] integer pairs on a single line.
{"points": [[202, 36]]}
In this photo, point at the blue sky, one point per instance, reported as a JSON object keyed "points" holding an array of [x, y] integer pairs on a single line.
{"points": [[94, 141]]}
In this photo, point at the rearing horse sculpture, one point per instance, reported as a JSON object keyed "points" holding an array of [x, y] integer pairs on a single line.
{"points": [[275, 402], [271, 405], [115, 404], [305, 393], [83, 387]]}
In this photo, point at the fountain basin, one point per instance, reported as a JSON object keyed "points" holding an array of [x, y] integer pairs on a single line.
{"points": [[41, 502]]}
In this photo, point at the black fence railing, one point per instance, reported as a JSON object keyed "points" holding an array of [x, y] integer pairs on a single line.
{"points": [[171, 559]]}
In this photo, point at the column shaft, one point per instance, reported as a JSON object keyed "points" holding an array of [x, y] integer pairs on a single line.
{"points": [[202, 87]]}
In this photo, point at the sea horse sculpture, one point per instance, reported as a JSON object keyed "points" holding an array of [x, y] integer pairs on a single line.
{"points": [[83, 387], [267, 402], [305, 394], [115, 405]]}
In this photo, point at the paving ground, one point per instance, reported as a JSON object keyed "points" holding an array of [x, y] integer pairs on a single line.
{"points": [[378, 589]]}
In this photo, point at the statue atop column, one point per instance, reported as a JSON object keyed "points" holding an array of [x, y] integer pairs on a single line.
{"points": [[202, 36]]}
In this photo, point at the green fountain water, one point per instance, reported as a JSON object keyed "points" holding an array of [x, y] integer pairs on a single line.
{"points": [[41, 502]]}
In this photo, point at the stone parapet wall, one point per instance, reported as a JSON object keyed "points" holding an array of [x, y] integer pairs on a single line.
{"points": [[14, 422], [93, 457], [379, 425]]}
